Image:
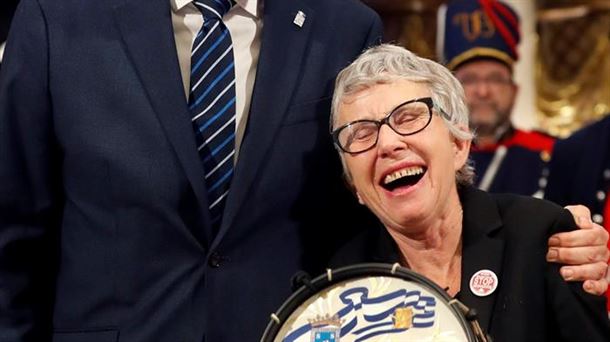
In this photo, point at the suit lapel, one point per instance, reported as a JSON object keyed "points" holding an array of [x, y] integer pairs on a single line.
{"points": [[146, 29], [483, 247], [282, 48]]}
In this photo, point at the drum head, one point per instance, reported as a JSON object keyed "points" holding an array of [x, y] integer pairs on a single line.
{"points": [[368, 302]]}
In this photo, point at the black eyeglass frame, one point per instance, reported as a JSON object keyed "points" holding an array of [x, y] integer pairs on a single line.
{"points": [[386, 120]]}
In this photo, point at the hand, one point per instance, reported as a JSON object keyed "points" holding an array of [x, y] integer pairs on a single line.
{"points": [[584, 250]]}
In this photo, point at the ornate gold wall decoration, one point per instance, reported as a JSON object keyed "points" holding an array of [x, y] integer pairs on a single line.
{"points": [[409, 23], [573, 65]]}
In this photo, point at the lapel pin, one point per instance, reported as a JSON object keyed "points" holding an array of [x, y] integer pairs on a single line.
{"points": [[483, 283], [299, 19]]}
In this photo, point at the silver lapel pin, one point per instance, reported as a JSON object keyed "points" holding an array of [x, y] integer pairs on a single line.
{"points": [[299, 19]]}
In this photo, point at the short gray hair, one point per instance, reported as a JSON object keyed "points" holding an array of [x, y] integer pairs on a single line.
{"points": [[388, 63]]}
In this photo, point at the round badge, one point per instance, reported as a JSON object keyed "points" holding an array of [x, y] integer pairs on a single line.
{"points": [[483, 283]]}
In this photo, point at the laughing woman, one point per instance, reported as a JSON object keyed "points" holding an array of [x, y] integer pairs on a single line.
{"points": [[400, 125]]}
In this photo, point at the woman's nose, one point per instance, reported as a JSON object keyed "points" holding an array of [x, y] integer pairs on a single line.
{"points": [[389, 141]]}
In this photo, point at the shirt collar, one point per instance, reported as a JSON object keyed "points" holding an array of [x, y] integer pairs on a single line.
{"points": [[251, 6]]}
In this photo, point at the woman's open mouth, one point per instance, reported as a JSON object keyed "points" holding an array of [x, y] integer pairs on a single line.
{"points": [[404, 177]]}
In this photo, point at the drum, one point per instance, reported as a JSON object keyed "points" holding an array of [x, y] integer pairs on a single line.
{"points": [[370, 302]]}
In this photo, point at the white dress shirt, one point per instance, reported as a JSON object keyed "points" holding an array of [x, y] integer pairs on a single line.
{"points": [[2, 45], [245, 23]]}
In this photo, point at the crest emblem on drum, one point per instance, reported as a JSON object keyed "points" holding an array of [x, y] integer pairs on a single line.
{"points": [[403, 318], [483, 283], [325, 328]]}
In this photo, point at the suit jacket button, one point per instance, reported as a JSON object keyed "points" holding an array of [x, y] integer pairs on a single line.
{"points": [[600, 196], [214, 260]]}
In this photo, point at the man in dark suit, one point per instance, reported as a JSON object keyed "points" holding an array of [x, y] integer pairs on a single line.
{"points": [[105, 227]]}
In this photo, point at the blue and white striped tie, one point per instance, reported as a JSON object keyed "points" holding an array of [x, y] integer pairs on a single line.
{"points": [[212, 102]]}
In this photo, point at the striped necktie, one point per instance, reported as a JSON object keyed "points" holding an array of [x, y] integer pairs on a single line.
{"points": [[212, 102]]}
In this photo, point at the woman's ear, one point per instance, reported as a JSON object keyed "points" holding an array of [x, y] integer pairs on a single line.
{"points": [[461, 149]]}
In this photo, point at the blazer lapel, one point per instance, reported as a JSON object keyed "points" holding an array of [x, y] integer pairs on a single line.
{"points": [[483, 247], [146, 29], [282, 49]]}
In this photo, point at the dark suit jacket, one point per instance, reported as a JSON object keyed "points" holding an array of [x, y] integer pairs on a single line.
{"points": [[104, 228], [580, 168], [508, 235]]}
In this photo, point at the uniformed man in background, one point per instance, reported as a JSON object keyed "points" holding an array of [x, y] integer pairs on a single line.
{"points": [[478, 41]]}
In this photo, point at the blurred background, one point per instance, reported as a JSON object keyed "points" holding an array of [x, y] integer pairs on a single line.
{"points": [[564, 66]]}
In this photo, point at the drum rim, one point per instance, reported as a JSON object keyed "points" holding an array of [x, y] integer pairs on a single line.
{"points": [[354, 271]]}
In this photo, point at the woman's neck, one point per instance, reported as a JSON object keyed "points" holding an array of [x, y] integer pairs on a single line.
{"points": [[435, 252]]}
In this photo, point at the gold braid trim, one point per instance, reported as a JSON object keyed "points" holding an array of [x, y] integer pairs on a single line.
{"points": [[480, 52]]}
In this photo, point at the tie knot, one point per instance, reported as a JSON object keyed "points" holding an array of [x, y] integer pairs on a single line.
{"points": [[213, 9]]}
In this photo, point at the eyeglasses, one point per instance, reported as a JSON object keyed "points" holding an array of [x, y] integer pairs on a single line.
{"points": [[407, 118]]}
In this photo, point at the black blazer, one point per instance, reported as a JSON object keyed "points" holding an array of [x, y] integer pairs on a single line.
{"points": [[104, 228], [508, 235]]}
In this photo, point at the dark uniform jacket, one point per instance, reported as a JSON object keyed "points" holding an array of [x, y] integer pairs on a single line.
{"points": [[580, 172], [521, 170], [580, 169]]}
